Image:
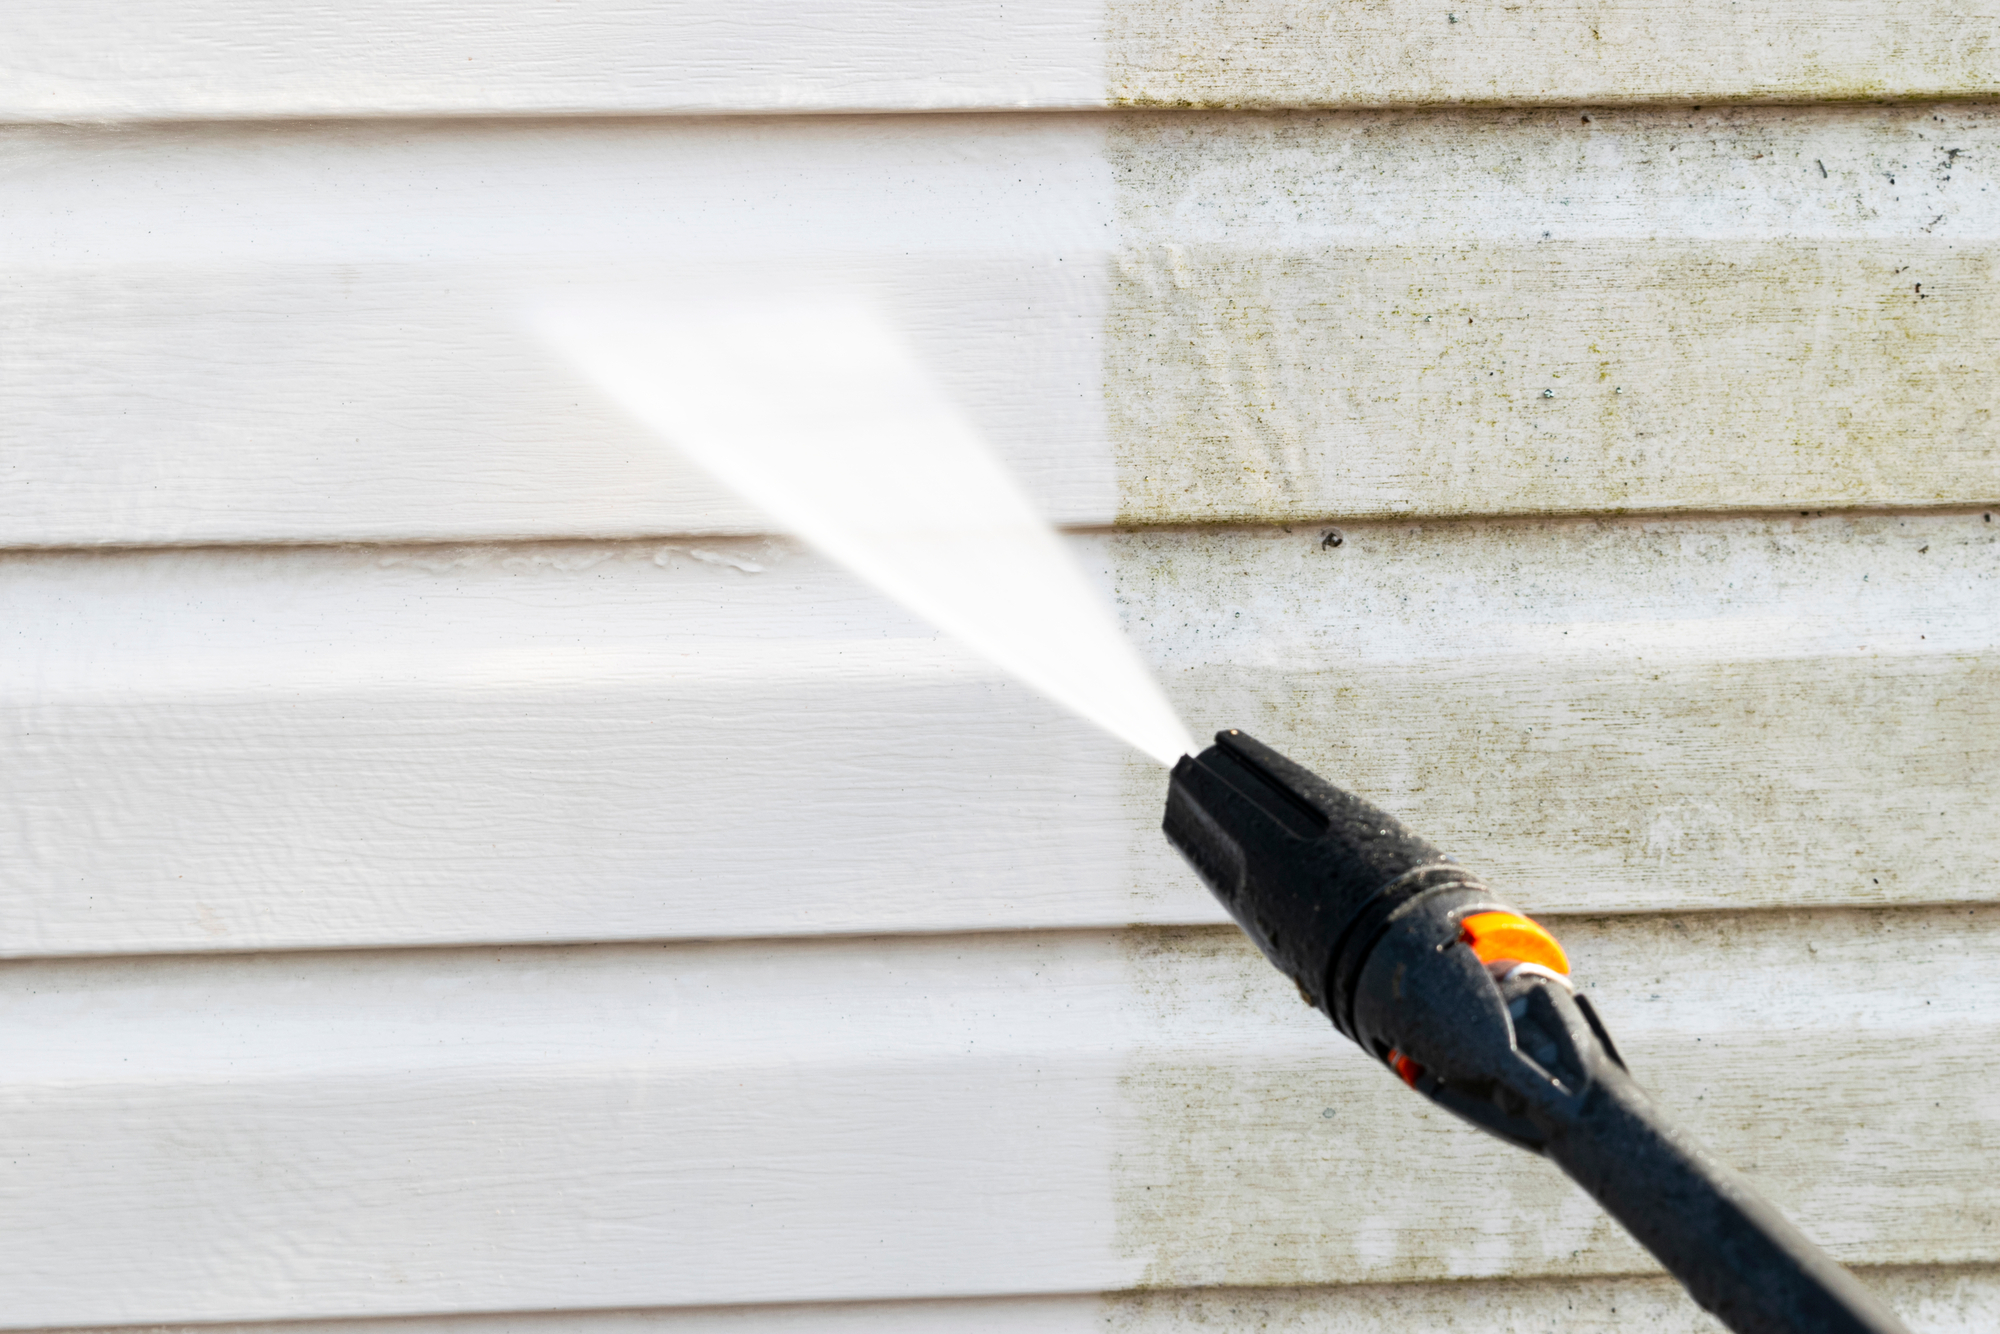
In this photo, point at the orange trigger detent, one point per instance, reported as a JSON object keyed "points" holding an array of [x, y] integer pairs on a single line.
{"points": [[1497, 936]]}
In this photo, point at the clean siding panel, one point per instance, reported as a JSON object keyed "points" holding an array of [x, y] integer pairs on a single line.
{"points": [[220, 58], [268, 748], [258, 333], [1068, 1314], [319, 333], [186, 59], [332, 1134]]}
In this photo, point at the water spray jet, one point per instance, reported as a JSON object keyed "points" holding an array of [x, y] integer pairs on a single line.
{"points": [[821, 415]]}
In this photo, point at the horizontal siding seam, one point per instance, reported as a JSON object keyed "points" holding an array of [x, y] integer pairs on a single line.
{"points": [[1109, 933], [1552, 101], [471, 1321], [1216, 527]]}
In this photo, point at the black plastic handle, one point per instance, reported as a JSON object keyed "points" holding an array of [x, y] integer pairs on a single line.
{"points": [[1368, 918], [1738, 1257]]}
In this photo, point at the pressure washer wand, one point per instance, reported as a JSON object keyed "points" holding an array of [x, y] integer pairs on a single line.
{"points": [[1470, 1003]]}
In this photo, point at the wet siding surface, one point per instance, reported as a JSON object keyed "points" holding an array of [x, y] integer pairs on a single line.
{"points": [[465, 876]]}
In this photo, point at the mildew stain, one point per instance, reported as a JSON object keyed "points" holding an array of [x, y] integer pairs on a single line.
{"points": [[1199, 53], [1929, 1297], [1575, 376], [1367, 315]]}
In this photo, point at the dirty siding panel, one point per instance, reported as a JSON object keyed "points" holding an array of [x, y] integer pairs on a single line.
{"points": [[217, 58], [335, 1134], [1931, 1301], [1198, 53], [317, 332], [1232, 1181], [1565, 376], [265, 748], [1575, 311], [1616, 714]]}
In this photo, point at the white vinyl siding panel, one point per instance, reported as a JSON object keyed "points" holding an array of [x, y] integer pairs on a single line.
{"points": [[159, 59], [243, 749], [1282, 53], [338, 1134], [319, 333]]}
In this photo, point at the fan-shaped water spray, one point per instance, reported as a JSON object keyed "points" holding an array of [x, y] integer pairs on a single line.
{"points": [[819, 414]]}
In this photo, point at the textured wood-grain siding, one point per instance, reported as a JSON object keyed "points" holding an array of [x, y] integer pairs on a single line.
{"points": [[180, 59], [246, 749], [318, 333], [1191, 53], [328, 1134]]}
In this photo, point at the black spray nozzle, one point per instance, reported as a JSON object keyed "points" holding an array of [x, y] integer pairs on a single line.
{"points": [[1470, 1003], [1308, 871]]}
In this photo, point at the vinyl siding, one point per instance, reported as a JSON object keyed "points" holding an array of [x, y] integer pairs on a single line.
{"points": [[466, 875]]}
